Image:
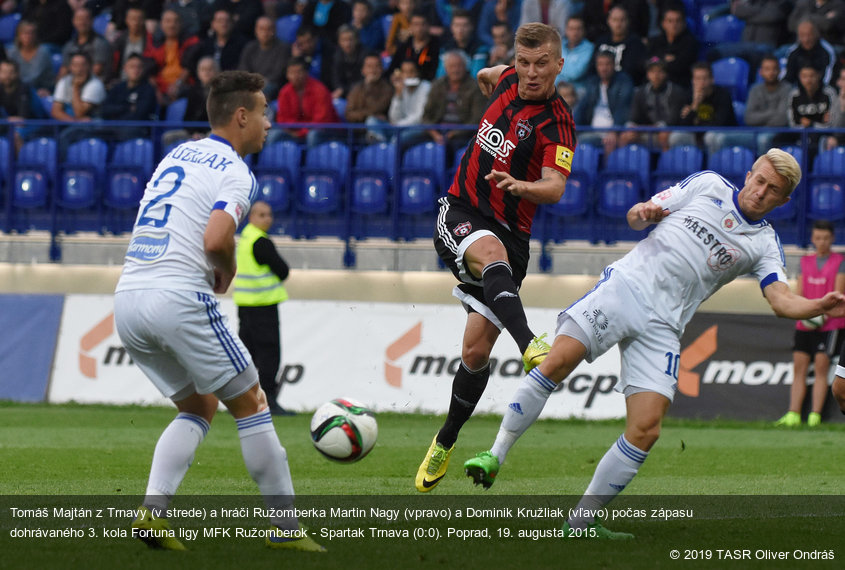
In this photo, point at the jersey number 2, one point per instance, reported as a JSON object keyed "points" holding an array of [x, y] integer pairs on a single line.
{"points": [[148, 220]]}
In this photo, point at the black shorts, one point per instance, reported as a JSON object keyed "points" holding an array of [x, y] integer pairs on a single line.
{"points": [[813, 342], [459, 226]]}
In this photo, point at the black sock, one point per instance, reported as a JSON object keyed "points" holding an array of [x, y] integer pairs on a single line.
{"points": [[467, 388], [501, 295]]}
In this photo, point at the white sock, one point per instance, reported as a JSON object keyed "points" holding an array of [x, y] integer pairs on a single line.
{"points": [[525, 407], [173, 455], [267, 463], [613, 473]]}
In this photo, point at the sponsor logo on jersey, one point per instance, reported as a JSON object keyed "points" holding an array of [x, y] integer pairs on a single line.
{"points": [[463, 229], [148, 248], [601, 319], [493, 141], [523, 129], [717, 202], [563, 157], [730, 221], [721, 255], [664, 195]]}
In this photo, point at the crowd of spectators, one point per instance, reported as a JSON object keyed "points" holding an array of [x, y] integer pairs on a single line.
{"points": [[628, 63]]}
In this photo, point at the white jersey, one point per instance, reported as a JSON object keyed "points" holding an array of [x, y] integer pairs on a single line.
{"points": [[704, 243], [167, 246]]}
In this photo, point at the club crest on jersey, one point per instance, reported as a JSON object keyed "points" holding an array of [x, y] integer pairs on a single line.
{"points": [[523, 129], [493, 141], [463, 229], [730, 222]]}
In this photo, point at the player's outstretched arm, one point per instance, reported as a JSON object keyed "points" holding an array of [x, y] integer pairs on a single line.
{"points": [[219, 243], [548, 190], [787, 304], [489, 77], [642, 215]]}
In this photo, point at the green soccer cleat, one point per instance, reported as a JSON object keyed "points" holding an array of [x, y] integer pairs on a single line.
{"points": [[482, 468], [154, 531], [595, 530], [814, 419], [304, 544], [536, 353], [789, 419], [433, 468]]}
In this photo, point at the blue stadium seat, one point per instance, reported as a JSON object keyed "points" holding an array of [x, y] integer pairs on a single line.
{"points": [[31, 189], [340, 108], [78, 192], [91, 154], [830, 163], [739, 113], [129, 170], [276, 171], [732, 163], [425, 159], [732, 73], [101, 22], [826, 201], [35, 178], [724, 29], [420, 184], [175, 112], [386, 22], [572, 216], [8, 25], [372, 178], [622, 184], [321, 192], [287, 26], [674, 165], [56, 60]]}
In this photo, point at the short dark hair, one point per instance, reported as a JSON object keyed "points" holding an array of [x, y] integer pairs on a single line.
{"points": [[299, 61], [230, 91], [702, 65], [823, 225]]}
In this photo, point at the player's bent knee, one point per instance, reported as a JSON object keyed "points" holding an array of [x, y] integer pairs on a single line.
{"points": [[242, 395]]}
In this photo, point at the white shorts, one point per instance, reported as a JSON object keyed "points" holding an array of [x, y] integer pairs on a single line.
{"points": [[179, 339], [612, 313]]}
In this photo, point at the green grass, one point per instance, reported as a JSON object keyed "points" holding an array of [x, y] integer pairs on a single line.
{"points": [[741, 480]]}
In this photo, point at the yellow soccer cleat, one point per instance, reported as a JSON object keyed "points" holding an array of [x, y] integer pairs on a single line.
{"points": [[154, 531], [789, 419], [536, 353], [303, 544], [433, 468], [814, 419]]}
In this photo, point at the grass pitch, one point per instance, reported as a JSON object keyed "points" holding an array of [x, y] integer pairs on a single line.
{"points": [[719, 493]]}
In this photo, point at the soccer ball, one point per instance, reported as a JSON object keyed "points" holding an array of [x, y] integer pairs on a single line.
{"points": [[344, 430], [815, 322]]}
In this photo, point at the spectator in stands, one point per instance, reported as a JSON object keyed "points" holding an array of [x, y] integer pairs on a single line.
{"points": [[266, 55], [767, 102], [369, 99], [304, 100], [18, 102], [765, 20], [196, 94], [577, 53], [813, 106], [628, 48], [446, 9], [463, 39], [410, 93], [454, 99], [33, 59], [709, 105], [658, 103], [400, 26], [244, 15], [223, 44], [675, 45], [152, 10], [132, 99], [347, 62], [839, 123], [90, 42], [195, 15], [134, 39], [606, 103], [555, 13], [498, 12], [326, 17], [77, 98], [370, 31], [502, 50], [568, 92], [422, 48], [595, 14], [52, 19], [810, 49], [827, 15], [167, 55], [305, 48]]}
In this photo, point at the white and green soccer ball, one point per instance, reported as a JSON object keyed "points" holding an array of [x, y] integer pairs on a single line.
{"points": [[344, 430], [814, 322]]}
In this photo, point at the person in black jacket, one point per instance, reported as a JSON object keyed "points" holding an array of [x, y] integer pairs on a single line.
{"points": [[708, 105], [18, 102], [658, 103], [675, 45], [133, 99]]}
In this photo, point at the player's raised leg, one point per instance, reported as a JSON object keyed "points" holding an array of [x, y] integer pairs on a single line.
{"points": [[467, 387]]}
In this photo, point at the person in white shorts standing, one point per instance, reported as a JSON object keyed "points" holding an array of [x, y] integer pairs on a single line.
{"points": [[708, 234], [181, 253]]}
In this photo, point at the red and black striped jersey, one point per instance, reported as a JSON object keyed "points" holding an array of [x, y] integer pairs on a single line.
{"points": [[519, 137]]}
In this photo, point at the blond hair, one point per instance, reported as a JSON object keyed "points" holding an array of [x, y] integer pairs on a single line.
{"points": [[784, 164], [535, 34]]}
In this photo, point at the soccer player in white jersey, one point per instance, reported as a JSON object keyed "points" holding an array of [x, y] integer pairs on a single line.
{"points": [[708, 234], [181, 253]]}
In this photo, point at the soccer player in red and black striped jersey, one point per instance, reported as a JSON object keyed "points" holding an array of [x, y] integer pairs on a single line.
{"points": [[519, 158]]}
